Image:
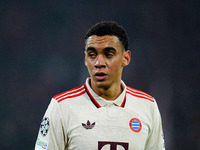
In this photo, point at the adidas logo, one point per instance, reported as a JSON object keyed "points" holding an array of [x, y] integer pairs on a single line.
{"points": [[88, 125]]}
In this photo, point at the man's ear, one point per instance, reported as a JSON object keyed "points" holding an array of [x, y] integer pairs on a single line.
{"points": [[85, 59], [126, 58]]}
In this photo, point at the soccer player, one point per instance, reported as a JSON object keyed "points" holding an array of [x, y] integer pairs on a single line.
{"points": [[104, 113]]}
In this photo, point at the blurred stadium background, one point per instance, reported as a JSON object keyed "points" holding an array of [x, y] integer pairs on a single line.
{"points": [[42, 54]]}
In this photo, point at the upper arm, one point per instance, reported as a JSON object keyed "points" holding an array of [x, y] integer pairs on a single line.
{"points": [[51, 134]]}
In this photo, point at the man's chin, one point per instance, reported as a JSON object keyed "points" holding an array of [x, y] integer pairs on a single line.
{"points": [[101, 84]]}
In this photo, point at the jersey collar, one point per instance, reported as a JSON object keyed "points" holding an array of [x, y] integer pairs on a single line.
{"points": [[101, 102]]}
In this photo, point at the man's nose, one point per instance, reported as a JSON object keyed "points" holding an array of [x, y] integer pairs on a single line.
{"points": [[100, 62]]}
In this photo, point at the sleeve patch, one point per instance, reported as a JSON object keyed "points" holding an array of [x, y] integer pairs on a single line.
{"points": [[41, 144], [44, 127]]}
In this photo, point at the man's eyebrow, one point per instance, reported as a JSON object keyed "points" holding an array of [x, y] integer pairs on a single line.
{"points": [[105, 49], [90, 49], [110, 48]]}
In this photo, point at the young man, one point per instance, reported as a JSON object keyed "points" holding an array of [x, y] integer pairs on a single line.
{"points": [[104, 113]]}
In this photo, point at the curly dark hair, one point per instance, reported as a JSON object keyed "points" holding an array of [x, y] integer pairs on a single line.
{"points": [[109, 28]]}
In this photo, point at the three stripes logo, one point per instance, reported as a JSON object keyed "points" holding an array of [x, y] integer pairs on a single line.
{"points": [[135, 125]]}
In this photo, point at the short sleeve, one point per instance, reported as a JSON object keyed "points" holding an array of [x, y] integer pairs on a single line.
{"points": [[155, 139], [51, 134]]}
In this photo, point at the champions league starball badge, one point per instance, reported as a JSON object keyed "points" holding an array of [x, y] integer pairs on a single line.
{"points": [[44, 127]]}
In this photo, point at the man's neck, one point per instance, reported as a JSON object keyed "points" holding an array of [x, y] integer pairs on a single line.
{"points": [[109, 93]]}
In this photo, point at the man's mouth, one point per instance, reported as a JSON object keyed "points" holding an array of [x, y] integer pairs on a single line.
{"points": [[100, 75]]}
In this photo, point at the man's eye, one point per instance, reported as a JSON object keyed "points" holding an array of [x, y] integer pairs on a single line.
{"points": [[109, 55], [92, 55]]}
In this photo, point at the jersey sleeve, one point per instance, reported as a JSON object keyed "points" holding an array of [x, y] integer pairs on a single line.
{"points": [[51, 134], [155, 140]]}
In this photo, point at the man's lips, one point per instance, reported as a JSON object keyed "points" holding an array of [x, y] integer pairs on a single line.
{"points": [[100, 75]]}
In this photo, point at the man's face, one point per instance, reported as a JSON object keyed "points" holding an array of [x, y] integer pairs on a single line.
{"points": [[105, 60]]}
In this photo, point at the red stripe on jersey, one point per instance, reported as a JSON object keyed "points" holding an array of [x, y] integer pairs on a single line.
{"points": [[75, 90], [92, 98], [139, 92], [71, 96], [124, 101], [140, 96]]}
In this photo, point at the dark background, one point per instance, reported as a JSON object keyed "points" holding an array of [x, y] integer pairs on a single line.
{"points": [[42, 54]]}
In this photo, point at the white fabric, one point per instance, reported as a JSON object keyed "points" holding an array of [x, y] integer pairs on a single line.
{"points": [[76, 123]]}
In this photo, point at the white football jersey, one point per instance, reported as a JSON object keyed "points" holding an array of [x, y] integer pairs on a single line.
{"points": [[79, 119]]}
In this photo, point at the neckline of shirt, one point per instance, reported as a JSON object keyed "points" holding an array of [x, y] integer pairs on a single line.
{"points": [[101, 102]]}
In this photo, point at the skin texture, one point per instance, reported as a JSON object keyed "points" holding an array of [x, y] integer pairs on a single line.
{"points": [[105, 59]]}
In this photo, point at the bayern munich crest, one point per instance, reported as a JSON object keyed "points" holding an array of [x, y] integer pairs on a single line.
{"points": [[44, 127], [135, 124]]}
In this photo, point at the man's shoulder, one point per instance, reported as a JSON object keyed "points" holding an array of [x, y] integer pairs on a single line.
{"points": [[139, 94], [75, 92]]}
